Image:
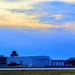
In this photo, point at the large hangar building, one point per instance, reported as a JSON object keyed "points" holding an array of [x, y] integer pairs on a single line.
{"points": [[29, 60]]}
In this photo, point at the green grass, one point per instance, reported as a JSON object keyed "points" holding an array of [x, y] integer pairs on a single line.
{"points": [[37, 72]]}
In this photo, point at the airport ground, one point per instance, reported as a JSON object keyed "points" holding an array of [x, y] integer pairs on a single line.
{"points": [[66, 72]]}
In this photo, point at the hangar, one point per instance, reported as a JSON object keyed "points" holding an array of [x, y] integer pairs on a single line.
{"points": [[29, 60], [34, 61]]}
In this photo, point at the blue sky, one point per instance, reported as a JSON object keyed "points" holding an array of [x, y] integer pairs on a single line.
{"points": [[38, 28]]}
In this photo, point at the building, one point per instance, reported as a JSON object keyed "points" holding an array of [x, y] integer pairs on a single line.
{"points": [[70, 61], [29, 60], [58, 63], [3, 60], [34, 61], [14, 53]]}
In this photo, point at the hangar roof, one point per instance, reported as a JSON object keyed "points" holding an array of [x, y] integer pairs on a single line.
{"points": [[72, 58]]}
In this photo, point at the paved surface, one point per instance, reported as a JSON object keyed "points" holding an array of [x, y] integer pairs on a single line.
{"points": [[37, 68]]}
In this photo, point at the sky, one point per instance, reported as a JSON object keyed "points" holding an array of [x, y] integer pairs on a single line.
{"points": [[38, 27]]}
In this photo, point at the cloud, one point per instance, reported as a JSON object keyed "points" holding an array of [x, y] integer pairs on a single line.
{"points": [[69, 25], [70, 1], [50, 13], [11, 0], [46, 14]]}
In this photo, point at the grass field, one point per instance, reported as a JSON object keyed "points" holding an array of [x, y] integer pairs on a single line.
{"points": [[37, 72]]}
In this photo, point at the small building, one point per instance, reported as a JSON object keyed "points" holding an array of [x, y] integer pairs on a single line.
{"points": [[70, 61], [58, 63], [3, 60]]}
